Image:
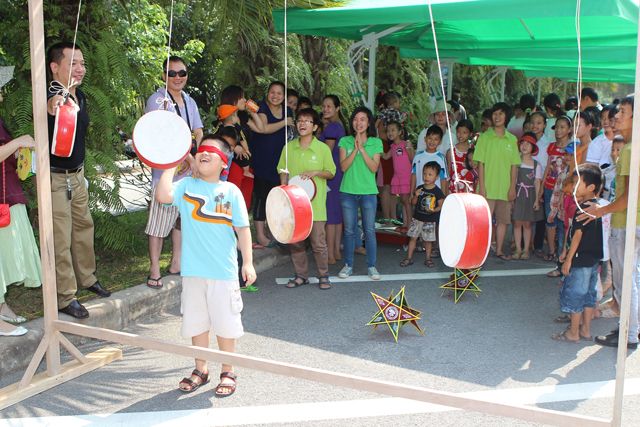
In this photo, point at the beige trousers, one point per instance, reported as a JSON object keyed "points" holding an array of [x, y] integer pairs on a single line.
{"points": [[319, 249], [72, 236]]}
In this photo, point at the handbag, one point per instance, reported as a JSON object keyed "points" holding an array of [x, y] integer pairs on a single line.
{"points": [[5, 213]]}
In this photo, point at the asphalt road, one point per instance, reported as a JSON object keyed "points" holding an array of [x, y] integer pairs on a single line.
{"points": [[496, 346]]}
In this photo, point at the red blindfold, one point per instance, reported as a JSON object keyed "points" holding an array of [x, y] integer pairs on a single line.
{"points": [[216, 150]]}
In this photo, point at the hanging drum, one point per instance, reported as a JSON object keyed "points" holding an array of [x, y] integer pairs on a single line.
{"points": [[161, 139], [289, 214], [465, 230], [64, 131], [308, 185]]}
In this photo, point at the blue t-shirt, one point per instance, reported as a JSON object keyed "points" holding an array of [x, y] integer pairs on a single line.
{"points": [[421, 159], [208, 212], [266, 148]]}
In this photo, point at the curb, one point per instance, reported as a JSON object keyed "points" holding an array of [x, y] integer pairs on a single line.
{"points": [[117, 312]]}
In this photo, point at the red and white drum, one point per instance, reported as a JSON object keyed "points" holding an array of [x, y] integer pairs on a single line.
{"points": [[289, 214], [465, 230], [64, 131], [308, 185], [161, 139]]}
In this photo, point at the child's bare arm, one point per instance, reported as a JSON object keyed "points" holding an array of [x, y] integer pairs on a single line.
{"points": [[164, 189], [244, 243], [575, 242], [438, 207]]}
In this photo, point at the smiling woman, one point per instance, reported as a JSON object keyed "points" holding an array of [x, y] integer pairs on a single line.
{"points": [[359, 160]]}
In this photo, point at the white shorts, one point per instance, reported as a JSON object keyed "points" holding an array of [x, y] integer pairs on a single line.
{"points": [[211, 305]]}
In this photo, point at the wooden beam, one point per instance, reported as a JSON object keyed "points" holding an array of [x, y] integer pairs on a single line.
{"points": [[41, 382], [43, 182], [528, 413]]}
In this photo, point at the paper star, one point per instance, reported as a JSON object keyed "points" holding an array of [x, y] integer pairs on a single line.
{"points": [[461, 282], [395, 313]]}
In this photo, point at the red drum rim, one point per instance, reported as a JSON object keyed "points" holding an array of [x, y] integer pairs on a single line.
{"points": [[64, 130], [465, 230], [289, 214], [161, 139], [308, 185]]}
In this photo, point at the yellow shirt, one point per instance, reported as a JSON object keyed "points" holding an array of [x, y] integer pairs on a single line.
{"points": [[623, 170]]}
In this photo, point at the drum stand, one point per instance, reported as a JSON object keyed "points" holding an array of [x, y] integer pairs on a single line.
{"points": [[461, 282]]}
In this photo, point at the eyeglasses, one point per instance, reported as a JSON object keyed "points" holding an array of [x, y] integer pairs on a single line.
{"points": [[308, 122], [173, 73]]}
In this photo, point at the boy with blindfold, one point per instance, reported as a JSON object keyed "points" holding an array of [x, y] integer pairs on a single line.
{"points": [[211, 302]]}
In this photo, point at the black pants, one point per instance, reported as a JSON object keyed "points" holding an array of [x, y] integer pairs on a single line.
{"points": [[538, 237], [261, 188]]}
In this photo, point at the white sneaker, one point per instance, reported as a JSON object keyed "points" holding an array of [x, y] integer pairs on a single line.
{"points": [[373, 273], [345, 272]]}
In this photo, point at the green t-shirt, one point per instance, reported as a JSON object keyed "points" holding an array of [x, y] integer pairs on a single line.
{"points": [[359, 179], [623, 170], [317, 157], [499, 154]]}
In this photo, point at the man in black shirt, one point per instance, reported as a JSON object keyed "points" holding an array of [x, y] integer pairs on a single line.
{"points": [[72, 222]]}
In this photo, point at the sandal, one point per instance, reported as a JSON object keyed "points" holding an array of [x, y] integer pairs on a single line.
{"points": [[154, 283], [524, 255], [193, 386], [429, 263], [563, 318], [550, 257], [324, 282], [435, 253], [554, 273], [517, 255], [226, 390], [406, 262], [561, 336], [297, 281], [504, 257]]}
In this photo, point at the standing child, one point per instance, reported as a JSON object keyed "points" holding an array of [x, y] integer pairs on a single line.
{"points": [[526, 209], [428, 200], [464, 131], [580, 260], [211, 302], [401, 152], [433, 139]]}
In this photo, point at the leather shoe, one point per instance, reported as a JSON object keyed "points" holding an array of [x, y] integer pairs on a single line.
{"points": [[97, 289], [611, 340], [75, 309]]}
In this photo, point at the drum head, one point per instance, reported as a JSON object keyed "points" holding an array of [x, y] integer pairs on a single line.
{"points": [[289, 214], [308, 185], [161, 139]]}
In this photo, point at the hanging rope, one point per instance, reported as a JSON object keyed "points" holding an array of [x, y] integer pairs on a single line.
{"points": [[457, 179], [73, 51], [286, 85], [57, 87], [166, 101], [576, 117]]}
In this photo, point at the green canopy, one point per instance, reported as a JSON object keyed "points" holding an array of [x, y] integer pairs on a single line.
{"points": [[537, 36]]}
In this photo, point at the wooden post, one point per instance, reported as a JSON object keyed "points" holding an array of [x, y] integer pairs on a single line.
{"points": [[629, 248], [39, 97]]}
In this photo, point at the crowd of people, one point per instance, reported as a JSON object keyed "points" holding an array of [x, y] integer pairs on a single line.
{"points": [[531, 162]]}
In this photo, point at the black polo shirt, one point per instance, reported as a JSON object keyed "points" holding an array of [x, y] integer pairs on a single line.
{"points": [[77, 155]]}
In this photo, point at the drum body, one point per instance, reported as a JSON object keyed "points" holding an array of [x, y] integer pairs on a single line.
{"points": [[465, 230], [161, 139], [308, 185], [64, 130], [289, 214]]}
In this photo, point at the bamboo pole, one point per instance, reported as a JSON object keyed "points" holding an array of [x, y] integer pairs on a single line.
{"points": [[629, 248]]}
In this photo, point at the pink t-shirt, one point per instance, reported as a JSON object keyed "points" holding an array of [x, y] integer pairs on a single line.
{"points": [[401, 162]]}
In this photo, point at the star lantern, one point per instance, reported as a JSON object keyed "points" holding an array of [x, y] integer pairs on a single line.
{"points": [[395, 313], [461, 282]]}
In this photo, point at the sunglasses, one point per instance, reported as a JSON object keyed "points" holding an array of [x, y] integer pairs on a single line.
{"points": [[173, 73]]}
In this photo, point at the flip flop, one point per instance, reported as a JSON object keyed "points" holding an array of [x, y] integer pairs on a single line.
{"points": [[504, 257], [563, 318], [560, 336], [249, 288], [154, 283]]}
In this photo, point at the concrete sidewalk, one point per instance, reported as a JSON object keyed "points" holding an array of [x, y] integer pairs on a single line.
{"points": [[117, 312]]}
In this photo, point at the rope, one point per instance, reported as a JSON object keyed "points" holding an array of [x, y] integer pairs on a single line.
{"points": [[73, 50], [576, 119], [457, 179], [166, 101], [286, 85]]}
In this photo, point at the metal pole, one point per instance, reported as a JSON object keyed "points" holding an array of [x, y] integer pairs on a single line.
{"points": [[371, 85]]}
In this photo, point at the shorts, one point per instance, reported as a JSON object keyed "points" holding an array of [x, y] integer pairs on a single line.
{"points": [[579, 289], [211, 305], [501, 209], [162, 218], [426, 230]]}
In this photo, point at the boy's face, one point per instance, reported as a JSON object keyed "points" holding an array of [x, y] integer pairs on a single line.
{"points": [[292, 102], [583, 191], [486, 124], [432, 141], [209, 164], [395, 104], [393, 133], [616, 147], [305, 125], [429, 176], [624, 119], [498, 118], [440, 118], [463, 134]]}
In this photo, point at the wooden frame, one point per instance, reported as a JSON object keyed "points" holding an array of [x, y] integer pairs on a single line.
{"points": [[53, 338]]}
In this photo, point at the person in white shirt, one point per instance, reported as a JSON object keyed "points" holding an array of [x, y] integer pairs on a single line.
{"points": [[439, 118]]}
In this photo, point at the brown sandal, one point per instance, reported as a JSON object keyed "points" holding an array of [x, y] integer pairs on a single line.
{"points": [[230, 388], [324, 282], [193, 386]]}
